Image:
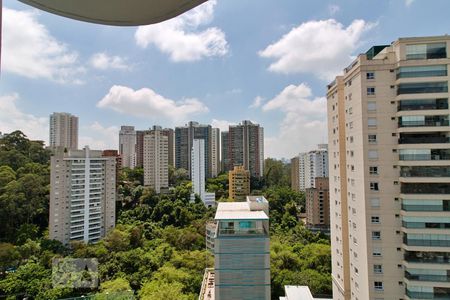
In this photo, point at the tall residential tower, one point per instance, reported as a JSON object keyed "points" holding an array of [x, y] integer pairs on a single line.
{"points": [[127, 146], [156, 159], [63, 130], [389, 150]]}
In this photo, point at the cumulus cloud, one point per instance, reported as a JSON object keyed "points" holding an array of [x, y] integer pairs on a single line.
{"points": [[104, 61], [304, 124], [99, 137], [182, 39], [12, 118], [322, 48], [29, 50], [257, 102], [147, 103]]}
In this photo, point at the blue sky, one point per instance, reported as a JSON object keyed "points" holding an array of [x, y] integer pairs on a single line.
{"points": [[225, 61]]}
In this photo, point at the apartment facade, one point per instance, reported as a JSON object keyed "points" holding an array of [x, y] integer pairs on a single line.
{"points": [[169, 132], [389, 142], [184, 138], [156, 159], [127, 146], [82, 195], [238, 183], [198, 174], [224, 156], [215, 152], [318, 205], [242, 250], [63, 130], [246, 147], [307, 166]]}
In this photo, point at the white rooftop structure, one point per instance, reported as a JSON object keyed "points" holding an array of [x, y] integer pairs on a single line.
{"points": [[116, 12], [297, 292], [255, 208]]}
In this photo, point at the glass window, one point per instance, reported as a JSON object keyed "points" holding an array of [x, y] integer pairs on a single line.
{"points": [[371, 106], [422, 87], [376, 235], [374, 186], [370, 75], [378, 285], [375, 202], [422, 71], [370, 91], [376, 252], [373, 154], [372, 122], [378, 269], [372, 138], [373, 170], [375, 219], [426, 51]]}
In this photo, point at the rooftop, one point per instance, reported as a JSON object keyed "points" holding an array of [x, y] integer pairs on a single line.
{"points": [[238, 211], [297, 292]]}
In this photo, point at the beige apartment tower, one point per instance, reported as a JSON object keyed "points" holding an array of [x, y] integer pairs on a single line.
{"points": [[63, 130], [82, 195], [318, 205], [389, 171], [238, 183], [156, 159]]}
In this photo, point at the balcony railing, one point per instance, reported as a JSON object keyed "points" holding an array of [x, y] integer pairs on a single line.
{"points": [[424, 123], [428, 171], [249, 231], [428, 295], [425, 188], [427, 257], [424, 140], [437, 156], [423, 277]]}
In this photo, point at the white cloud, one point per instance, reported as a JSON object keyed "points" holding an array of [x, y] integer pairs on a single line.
{"points": [[333, 9], [104, 61], [322, 48], [223, 125], [147, 103], [304, 124], [257, 102], [408, 2], [99, 137], [181, 37], [30, 50], [12, 118]]}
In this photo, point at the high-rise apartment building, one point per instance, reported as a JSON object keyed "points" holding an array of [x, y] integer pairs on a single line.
{"points": [[184, 137], [198, 174], [82, 195], [224, 157], [215, 152], [389, 144], [238, 183], [317, 205], [169, 132], [246, 147], [307, 166], [127, 146], [63, 131], [241, 250], [156, 159]]}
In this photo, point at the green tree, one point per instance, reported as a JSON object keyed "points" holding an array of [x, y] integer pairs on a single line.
{"points": [[161, 290]]}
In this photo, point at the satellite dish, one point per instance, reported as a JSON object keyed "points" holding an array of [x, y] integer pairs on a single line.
{"points": [[116, 12]]}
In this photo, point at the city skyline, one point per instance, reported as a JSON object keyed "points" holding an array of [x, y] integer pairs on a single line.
{"points": [[242, 66]]}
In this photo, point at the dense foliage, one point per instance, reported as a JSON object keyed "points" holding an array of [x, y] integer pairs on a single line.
{"points": [[156, 250]]}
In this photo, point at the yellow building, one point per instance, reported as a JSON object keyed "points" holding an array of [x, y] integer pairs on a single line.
{"points": [[239, 183]]}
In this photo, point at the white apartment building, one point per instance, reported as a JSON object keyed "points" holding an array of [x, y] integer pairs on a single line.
{"points": [[156, 159], [310, 165], [198, 174], [82, 195], [63, 130], [389, 150], [127, 146]]}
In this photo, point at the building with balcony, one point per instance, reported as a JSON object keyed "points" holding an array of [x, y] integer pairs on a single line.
{"points": [[318, 205], [82, 195], [241, 252], [307, 166], [127, 146], [156, 159], [389, 144], [238, 183], [63, 131]]}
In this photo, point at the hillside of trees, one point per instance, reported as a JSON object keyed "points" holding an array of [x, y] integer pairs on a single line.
{"points": [[157, 250]]}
